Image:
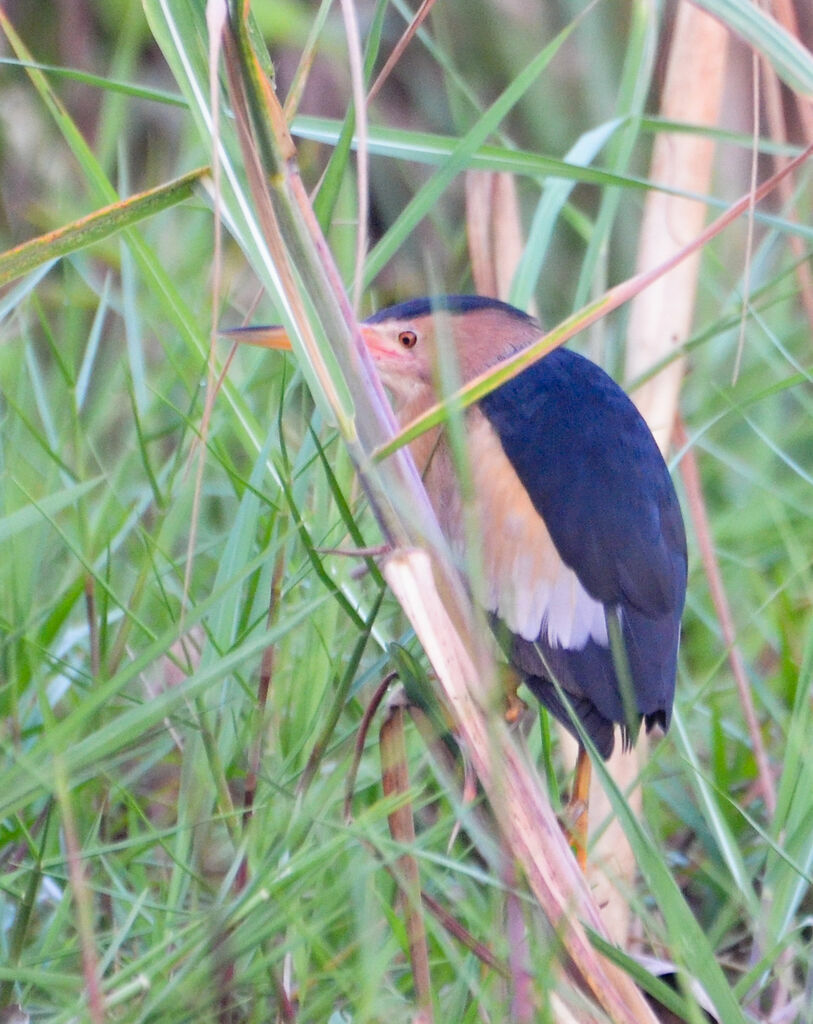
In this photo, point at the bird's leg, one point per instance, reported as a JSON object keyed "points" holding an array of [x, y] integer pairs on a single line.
{"points": [[514, 706], [577, 817]]}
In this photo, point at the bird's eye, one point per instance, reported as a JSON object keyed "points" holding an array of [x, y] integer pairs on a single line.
{"points": [[408, 339]]}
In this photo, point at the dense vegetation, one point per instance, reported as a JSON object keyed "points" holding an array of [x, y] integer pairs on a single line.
{"points": [[164, 558]]}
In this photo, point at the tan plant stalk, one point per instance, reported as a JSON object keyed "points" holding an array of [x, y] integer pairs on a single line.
{"points": [[662, 316], [493, 231], [522, 810], [395, 783]]}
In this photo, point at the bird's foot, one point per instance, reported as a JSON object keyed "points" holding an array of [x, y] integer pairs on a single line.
{"points": [[514, 707], [575, 815], [573, 821]]}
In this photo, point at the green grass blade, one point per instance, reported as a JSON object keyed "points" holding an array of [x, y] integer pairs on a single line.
{"points": [[788, 57]]}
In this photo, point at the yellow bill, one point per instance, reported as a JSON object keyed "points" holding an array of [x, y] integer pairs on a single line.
{"points": [[262, 337]]}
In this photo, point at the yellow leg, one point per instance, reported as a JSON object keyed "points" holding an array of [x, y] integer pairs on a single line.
{"points": [[514, 705], [577, 816]]}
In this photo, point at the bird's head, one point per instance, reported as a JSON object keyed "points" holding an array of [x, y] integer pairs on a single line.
{"points": [[404, 341]]}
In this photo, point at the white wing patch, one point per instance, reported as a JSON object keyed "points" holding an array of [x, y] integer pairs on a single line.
{"points": [[529, 587]]}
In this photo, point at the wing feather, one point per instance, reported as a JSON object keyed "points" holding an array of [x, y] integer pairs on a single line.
{"points": [[591, 471], [529, 586]]}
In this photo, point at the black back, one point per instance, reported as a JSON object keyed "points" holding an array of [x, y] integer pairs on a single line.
{"points": [[596, 476]]}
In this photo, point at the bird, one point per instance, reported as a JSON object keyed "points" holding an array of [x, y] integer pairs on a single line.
{"points": [[581, 537]]}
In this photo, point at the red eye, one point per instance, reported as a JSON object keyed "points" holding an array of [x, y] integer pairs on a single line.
{"points": [[408, 339]]}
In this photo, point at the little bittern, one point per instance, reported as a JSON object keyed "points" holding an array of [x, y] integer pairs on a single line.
{"points": [[582, 540]]}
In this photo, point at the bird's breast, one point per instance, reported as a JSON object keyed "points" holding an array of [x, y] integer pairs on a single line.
{"points": [[525, 582]]}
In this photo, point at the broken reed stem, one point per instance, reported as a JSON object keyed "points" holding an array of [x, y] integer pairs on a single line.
{"points": [[361, 738], [524, 815], [395, 783]]}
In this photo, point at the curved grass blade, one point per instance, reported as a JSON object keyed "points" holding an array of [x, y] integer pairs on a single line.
{"points": [[96, 226]]}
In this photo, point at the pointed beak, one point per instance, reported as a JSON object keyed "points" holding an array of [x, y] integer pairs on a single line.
{"points": [[263, 337], [277, 337]]}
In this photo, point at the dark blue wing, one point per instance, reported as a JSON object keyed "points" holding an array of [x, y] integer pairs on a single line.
{"points": [[595, 475]]}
